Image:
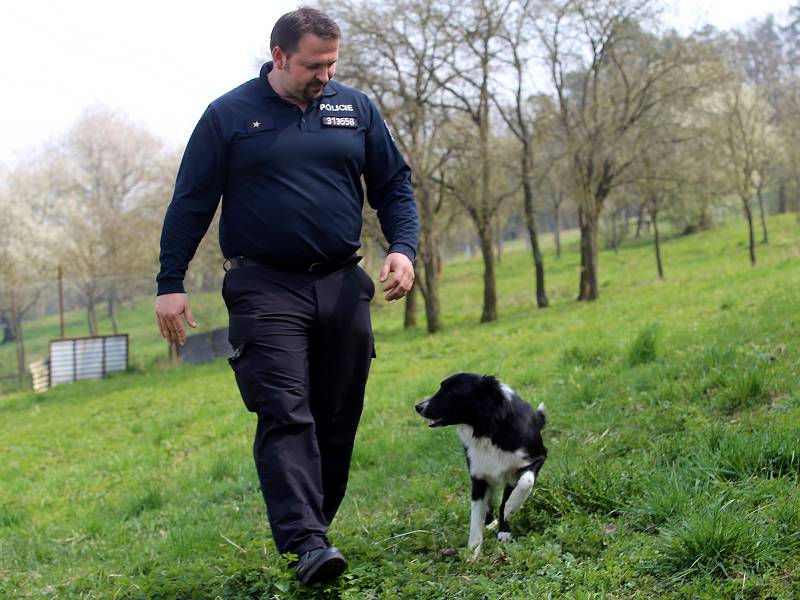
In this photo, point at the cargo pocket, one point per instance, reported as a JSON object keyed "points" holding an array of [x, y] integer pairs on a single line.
{"points": [[244, 376], [369, 285]]}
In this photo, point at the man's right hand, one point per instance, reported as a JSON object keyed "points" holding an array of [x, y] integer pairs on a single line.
{"points": [[169, 308]]}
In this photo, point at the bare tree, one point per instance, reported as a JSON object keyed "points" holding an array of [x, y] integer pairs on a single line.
{"points": [[519, 120], [552, 176], [391, 51], [660, 178], [24, 251], [669, 139], [741, 120], [105, 169], [466, 65], [604, 69]]}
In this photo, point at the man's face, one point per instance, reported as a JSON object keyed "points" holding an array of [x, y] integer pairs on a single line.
{"points": [[306, 71]]}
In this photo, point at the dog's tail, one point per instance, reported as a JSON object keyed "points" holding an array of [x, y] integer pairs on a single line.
{"points": [[539, 416]]}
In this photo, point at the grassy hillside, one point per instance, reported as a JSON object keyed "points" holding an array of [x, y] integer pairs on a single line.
{"points": [[674, 430]]}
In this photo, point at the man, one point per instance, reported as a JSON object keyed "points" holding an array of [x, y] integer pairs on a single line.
{"points": [[286, 151]]}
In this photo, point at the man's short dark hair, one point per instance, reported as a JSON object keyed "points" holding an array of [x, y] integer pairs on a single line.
{"points": [[293, 25]]}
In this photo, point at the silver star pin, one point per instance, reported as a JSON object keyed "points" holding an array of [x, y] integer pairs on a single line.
{"points": [[256, 124]]}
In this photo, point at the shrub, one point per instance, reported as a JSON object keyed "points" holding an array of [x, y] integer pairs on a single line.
{"points": [[221, 469], [724, 454], [592, 484], [665, 496], [643, 348], [747, 389], [589, 389], [149, 499], [719, 540], [9, 516], [585, 356]]}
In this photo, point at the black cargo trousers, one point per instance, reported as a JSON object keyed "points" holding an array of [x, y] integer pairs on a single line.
{"points": [[302, 349]]}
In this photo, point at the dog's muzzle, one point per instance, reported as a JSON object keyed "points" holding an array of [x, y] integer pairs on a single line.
{"points": [[421, 408]]}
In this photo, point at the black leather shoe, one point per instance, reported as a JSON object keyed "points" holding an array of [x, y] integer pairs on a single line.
{"points": [[320, 565]]}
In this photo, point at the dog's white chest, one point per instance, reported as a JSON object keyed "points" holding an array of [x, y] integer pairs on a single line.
{"points": [[488, 462]]}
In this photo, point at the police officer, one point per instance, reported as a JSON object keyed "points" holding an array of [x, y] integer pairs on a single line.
{"points": [[286, 151]]}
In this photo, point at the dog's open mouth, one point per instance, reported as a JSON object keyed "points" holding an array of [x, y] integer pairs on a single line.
{"points": [[435, 422]]}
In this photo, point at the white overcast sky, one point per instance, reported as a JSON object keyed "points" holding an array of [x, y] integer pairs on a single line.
{"points": [[161, 62]]}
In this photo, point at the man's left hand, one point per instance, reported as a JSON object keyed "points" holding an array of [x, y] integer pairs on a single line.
{"points": [[402, 270]]}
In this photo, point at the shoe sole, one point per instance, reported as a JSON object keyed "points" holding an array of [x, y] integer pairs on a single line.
{"points": [[327, 571]]}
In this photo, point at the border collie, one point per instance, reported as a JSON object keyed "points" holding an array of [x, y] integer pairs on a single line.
{"points": [[502, 440]]}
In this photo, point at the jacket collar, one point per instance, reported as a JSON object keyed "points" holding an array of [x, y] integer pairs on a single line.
{"points": [[268, 90]]}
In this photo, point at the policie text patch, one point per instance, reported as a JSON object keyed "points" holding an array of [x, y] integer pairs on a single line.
{"points": [[339, 121]]}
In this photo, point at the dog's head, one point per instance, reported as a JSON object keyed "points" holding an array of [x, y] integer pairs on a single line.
{"points": [[465, 399]]}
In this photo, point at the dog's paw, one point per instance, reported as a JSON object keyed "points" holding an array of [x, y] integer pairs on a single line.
{"points": [[476, 552], [493, 525], [504, 536]]}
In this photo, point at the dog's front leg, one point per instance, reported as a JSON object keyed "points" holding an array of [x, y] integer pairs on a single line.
{"points": [[504, 532], [480, 502], [519, 494]]}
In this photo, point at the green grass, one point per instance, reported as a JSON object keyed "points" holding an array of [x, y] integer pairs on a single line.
{"points": [[673, 431]]}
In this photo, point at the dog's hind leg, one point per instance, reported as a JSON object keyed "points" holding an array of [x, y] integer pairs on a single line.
{"points": [[480, 502], [504, 533], [490, 522], [519, 494]]}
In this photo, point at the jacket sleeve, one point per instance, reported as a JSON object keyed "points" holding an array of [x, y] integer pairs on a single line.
{"points": [[388, 181], [199, 185]]}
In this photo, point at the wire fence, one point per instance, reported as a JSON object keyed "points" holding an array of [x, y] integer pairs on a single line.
{"points": [[73, 307], [94, 307]]}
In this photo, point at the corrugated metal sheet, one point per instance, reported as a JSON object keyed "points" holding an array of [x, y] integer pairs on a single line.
{"points": [[87, 358]]}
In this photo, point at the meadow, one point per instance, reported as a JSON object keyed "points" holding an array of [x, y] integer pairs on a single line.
{"points": [[673, 437]]}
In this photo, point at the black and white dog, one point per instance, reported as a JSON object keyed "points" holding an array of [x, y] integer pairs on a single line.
{"points": [[502, 439]]}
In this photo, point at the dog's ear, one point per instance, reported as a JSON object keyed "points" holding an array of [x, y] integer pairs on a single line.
{"points": [[490, 387]]}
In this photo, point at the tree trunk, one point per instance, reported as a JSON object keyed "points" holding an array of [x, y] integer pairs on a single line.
{"points": [[588, 282], [430, 259], [614, 232], [8, 330], [91, 316], [704, 222], [432, 309], [530, 222], [797, 197], [639, 222], [485, 225], [782, 199], [557, 229], [489, 290], [749, 215], [498, 241], [16, 324], [765, 238], [20, 354], [657, 237], [410, 313], [112, 312]]}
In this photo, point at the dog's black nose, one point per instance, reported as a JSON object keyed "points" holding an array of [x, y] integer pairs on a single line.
{"points": [[421, 406]]}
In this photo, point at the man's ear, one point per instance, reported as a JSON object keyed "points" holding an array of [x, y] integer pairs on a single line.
{"points": [[278, 58]]}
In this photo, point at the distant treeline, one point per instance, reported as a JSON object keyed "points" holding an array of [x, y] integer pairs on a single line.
{"points": [[518, 118]]}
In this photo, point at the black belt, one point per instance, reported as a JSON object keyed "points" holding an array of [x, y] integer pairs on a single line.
{"points": [[317, 268]]}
